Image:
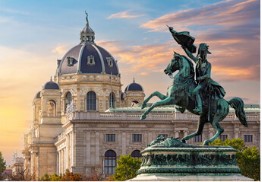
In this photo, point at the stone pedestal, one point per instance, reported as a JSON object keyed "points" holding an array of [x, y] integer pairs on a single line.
{"points": [[172, 160]]}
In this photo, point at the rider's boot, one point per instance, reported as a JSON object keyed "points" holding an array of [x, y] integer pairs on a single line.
{"points": [[198, 109]]}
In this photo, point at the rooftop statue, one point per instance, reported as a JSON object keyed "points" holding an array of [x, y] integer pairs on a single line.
{"points": [[202, 96]]}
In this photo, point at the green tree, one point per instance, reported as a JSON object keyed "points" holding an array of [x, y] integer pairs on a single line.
{"points": [[46, 177], [126, 167], [55, 177], [2, 164], [249, 162], [248, 158]]}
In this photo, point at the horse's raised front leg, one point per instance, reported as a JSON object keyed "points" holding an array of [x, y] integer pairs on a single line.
{"points": [[156, 93], [166, 101], [201, 123]]}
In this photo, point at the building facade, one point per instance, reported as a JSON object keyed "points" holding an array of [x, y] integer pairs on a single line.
{"points": [[83, 121]]}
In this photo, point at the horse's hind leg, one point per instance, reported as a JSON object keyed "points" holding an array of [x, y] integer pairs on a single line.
{"points": [[221, 112], [217, 127], [166, 101], [199, 130], [156, 93]]}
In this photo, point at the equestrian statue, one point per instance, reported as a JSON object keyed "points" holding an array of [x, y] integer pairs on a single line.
{"points": [[195, 90]]}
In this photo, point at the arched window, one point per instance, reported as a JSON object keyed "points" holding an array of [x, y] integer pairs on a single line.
{"points": [[136, 153], [112, 100], [68, 100], [51, 108], [91, 101], [110, 162]]}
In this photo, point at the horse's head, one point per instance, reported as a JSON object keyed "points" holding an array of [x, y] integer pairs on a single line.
{"points": [[174, 64]]}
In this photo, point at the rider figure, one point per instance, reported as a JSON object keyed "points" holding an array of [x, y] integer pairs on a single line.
{"points": [[203, 73]]}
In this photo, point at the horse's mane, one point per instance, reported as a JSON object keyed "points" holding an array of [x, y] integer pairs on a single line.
{"points": [[190, 64]]}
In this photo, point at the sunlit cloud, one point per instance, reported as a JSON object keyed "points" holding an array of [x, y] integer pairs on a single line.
{"points": [[226, 13], [124, 15], [60, 49], [227, 28], [226, 62]]}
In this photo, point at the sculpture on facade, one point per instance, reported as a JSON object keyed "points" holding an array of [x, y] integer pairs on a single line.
{"points": [[202, 96]]}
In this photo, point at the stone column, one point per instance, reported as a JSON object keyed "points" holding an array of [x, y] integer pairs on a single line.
{"points": [[236, 131], [97, 149], [123, 141], [176, 134], [66, 151], [88, 148], [185, 132]]}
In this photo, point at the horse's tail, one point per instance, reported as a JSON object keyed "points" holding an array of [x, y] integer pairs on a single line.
{"points": [[238, 104]]}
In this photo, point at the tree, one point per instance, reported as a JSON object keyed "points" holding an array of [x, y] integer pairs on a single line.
{"points": [[126, 167], [69, 176], [249, 163], [55, 177], [248, 158], [46, 177], [2, 164]]}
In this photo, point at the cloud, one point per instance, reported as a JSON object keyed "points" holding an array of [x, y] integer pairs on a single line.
{"points": [[227, 13], [229, 63], [124, 15], [60, 49], [5, 20], [13, 11], [230, 28], [141, 59]]}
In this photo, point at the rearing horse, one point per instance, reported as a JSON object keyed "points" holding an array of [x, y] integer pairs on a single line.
{"points": [[180, 93]]}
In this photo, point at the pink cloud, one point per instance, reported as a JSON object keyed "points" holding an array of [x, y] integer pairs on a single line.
{"points": [[226, 13]]}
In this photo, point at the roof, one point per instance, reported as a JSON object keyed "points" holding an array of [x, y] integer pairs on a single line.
{"points": [[37, 96], [134, 87], [51, 85], [87, 57]]}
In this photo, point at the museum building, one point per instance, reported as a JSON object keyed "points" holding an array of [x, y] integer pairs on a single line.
{"points": [[83, 121]]}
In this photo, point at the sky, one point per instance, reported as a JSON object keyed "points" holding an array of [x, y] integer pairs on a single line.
{"points": [[34, 34]]}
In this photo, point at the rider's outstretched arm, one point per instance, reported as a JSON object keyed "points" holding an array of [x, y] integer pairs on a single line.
{"points": [[189, 54]]}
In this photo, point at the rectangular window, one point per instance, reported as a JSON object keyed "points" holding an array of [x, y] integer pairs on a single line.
{"points": [[91, 60], [70, 61], [248, 138], [198, 138], [110, 137], [137, 138], [223, 137]]}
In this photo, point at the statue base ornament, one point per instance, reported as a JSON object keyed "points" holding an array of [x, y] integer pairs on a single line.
{"points": [[172, 160]]}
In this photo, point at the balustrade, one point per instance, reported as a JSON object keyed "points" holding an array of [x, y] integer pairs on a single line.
{"points": [[151, 116]]}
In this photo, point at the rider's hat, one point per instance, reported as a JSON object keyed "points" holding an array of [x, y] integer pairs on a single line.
{"points": [[203, 47]]}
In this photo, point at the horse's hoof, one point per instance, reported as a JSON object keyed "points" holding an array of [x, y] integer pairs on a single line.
{"points": [[142, 117], [206, 142]]}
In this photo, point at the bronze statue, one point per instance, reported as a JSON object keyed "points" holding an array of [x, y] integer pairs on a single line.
{"points": [[203, 75], [185, 91]]}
